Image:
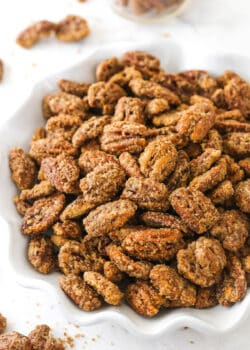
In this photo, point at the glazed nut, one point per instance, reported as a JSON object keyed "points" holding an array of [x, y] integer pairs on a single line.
{"points": [[42, 189], [72, 28], [237, 144], [123, 77], [107, 68], [41, 255], [21, 205], [153, 244], [222, 193], [41, 338], [80, 293], [107, 289], [73, 87], [63, 125], [206, 297], [195, 209], [129, 109], [181, 174], [109, 217], [242, 195], [14, 341], [203, 162], [129, 164], [147, 64], [31, 35], [156, 106], [111, 272], [146, 193], [90, 159]]}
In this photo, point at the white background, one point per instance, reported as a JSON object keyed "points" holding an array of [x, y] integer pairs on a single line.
{"points": [[220, 25]]}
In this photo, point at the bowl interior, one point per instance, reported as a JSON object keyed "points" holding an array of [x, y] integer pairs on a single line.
{"points": [[18, 131]]}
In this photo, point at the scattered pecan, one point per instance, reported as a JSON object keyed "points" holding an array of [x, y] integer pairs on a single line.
{"points": [[31, 35], [14, 341], [72, 28]]}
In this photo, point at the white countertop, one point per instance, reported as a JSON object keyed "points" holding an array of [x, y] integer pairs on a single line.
{"points": [[218, 25]]}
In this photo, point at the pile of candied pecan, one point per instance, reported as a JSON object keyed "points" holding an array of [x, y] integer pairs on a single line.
{"points": [[138, 187]]}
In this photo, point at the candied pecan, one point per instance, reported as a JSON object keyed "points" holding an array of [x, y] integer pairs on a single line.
{"points": [[63, 125], [39, 337], [129, 109], [43, 214], [206, 297], [196, 121], [107, 289], [193, 150], [222, 193], [232, 229], [109, 217], [234, 285], [123, 136], [181, 173], [42, 189], [246, 264], [39, 133], [74, 259], [64, 231], [123, 78], [76, 208], [147, 64], [21, 206], [232, 126], [129, 164], [89, 129], [158, 159], [203, 162], [105, 95], [194, 208], [96, 244], [72, 28], [62, 102], [173, 286], [157, 106], [234, 114], [107, 68], [14, 341], [169, 134], [138, 269], [199, 99], [154, 219], [149, 89], [80, 293], [242, 195], [234, 171], [43, 148], [117, 236], [245, 164], [91, 145], [1, 70], [237, 144], [237, 95], [202, 261], [41, 255], [73, 87], [166, 119], [218, 98], [144, 299], [146, 193], [111, 272], [212, 140], [32, 34], [90, 159], [202, 82], [102, 184], [62, 172], [23, 168], [153, 244], [210, 178], [3, 323]]}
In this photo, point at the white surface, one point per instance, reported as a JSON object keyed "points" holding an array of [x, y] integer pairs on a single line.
{"points": [[217, 25]]}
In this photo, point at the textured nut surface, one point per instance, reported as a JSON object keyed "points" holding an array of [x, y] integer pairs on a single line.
{"points": [[242, 195], [109, 217], [234, 286], [202, 261], [41, 255], [63, 125], [125, 76], [80, 293], [222, 193], [245, 164], [108, 290], [173, 286], [89, 129], [62, 173], [196, 121], [123, 136], [195, 209], [237, 95], [90, 159], [107, 68], [137, 269], [147, 64], [144, 299], [73, 87], [111, 272], [158, 159], [64, 231], [21, 205], [157, 106], [42, 189], [206, 297], [23, 169], [181, 173], [232, 229], [213, 140], [76, 208], [43, 214], [237, 144], [14, 341], [31, 35], [39, 337], [203, 162], [129, 164], [129, 109], [72, 28], [153, 244]]}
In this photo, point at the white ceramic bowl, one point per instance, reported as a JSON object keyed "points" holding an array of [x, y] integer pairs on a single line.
{"points": [[18, 131]]}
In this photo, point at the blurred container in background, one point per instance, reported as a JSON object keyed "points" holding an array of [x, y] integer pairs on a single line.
{"points": [[148, 10]]}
